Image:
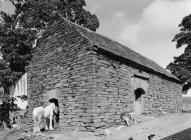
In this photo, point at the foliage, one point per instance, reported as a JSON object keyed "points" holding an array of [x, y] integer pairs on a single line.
{"points": [[19, 31], [181, 66], [7, 76]]}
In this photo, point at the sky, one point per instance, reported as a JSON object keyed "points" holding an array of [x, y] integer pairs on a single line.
{"points": [[146, 26]]}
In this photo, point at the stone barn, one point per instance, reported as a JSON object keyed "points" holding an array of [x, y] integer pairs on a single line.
{"points": [[95, 79]]}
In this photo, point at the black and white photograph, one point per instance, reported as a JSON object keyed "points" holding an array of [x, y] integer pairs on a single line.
{"points": [[95, 69]]}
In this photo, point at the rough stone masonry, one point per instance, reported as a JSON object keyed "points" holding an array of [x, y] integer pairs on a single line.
{"points": [[95, 79]]}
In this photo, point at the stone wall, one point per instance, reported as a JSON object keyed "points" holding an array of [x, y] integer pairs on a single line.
{"points": [[163, 95], [62, 65], [115, 92], [92, 88]]}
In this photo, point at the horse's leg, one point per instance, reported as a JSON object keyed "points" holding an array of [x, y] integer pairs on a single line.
{"points": [[38, 124], [51, 118], [53, 121], [35, 125], [47, 124]]}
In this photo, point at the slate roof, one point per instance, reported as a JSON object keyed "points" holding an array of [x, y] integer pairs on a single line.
{"points": [[120, 50]]}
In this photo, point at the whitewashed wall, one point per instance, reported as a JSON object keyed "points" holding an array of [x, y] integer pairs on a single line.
{"points": [[19, 88]]}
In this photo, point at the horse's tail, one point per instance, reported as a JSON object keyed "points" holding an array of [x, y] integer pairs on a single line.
{"points": [[57, 117]]}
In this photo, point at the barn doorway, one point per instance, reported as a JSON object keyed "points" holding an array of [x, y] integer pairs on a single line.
{"points": [[56, 115], [138, 101]]}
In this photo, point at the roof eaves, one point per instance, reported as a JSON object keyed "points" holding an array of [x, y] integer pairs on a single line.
{"points": [[125, 60]]}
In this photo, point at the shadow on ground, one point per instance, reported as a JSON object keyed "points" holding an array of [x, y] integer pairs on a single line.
{"points": [[182, 135]]}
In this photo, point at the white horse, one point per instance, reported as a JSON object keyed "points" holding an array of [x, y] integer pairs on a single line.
{"points": [[46, 113]]}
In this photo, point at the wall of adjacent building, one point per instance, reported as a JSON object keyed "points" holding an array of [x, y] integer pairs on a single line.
{"points": [[20, 87]]}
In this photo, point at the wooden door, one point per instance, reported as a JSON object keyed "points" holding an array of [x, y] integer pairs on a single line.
{"points": [[140, 85], [138, 101]]}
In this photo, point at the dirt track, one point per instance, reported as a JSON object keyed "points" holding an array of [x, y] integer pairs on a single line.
{"points": [[162, 126], [9, 134]]}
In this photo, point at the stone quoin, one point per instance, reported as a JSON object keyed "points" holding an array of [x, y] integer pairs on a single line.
{"points": [[95, 79]]}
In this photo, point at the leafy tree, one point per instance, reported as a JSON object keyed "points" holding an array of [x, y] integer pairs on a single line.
{"points": [[20, 31], [181, 66]]}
